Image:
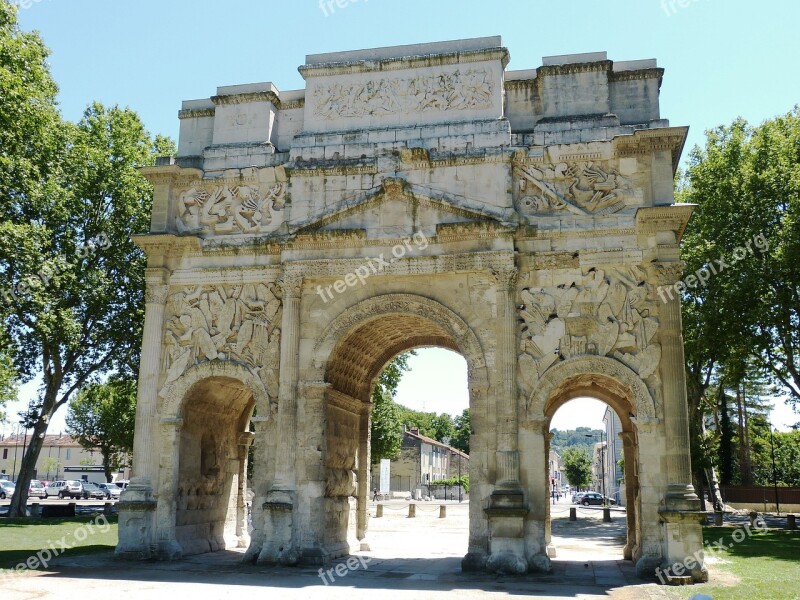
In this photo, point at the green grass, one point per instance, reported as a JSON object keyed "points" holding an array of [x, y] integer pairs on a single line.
{"points": [[21, 539], [767, 565]]}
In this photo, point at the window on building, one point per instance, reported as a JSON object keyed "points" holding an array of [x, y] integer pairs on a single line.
{"points": [[5, 454], [69, 453]]}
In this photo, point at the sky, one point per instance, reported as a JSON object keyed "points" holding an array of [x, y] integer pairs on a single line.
{"points": [[722, 59]]}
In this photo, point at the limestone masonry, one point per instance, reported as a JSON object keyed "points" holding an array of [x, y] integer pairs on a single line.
{"points": [[410, 196]]}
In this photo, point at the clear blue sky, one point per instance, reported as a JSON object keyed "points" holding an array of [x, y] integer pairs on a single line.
{"points": [[722, 60]]}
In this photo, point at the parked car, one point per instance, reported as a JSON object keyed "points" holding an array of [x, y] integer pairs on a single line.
{"points": [[122, 484], [36, 489], [92, 490], [112, 491], [70, 488], [6, 489], [576, 497], [595, 499]]}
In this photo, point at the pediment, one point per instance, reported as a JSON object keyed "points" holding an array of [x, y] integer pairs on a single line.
{"points": [[398, 208]]}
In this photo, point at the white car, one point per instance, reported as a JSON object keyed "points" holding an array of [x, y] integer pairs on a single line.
{"points": [[64, 489], [6, 489], [112, 491]]}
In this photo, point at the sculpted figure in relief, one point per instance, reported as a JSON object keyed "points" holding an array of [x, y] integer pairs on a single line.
{"points": [[596, 313], [578, 188], [228, 322], [225, 209]]}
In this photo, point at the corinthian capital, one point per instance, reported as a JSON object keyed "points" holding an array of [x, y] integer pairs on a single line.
{"points": [[666, 273], [291, 285], [505, 277]]}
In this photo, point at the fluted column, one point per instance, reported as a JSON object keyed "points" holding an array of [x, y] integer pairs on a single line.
{"points": [[680, 492], [287, 396], [167, 544], [145, 458], [507, 458]]}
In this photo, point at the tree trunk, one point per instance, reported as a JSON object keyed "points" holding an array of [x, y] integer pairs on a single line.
{"points": [[107, 464], [716, 493], [19, 501]]}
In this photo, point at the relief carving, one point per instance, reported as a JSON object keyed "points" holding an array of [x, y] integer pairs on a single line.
{"points": [[469, 90], [584, 188], [599, 314], [225, 322], [226, 209]]}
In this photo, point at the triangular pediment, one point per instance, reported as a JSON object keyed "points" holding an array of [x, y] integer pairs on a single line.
{"points": [[399, 208]]}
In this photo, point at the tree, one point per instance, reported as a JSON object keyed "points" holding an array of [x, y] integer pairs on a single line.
{"points": [[578, 467], [463, 429], [103, 417], [386, 429], [70, 198], [8, 384]]}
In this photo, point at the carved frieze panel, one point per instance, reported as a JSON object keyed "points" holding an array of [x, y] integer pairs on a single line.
{"points": [[597, 313], [224, 322], [461, 90], [577, 187], [227, 209]]}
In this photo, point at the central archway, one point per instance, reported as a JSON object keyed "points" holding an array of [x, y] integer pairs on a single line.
{"points": [[349, 357]]}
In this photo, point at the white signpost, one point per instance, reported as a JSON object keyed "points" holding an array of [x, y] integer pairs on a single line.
{"points": [[385, 486]]}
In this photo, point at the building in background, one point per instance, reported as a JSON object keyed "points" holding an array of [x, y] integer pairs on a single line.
{"points": [[422, 461], [62, 457], [557, 477], [614, 474]]}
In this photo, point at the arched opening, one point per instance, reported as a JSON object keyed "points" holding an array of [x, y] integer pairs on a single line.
{"points": [[617, 438], [213, 445], [360, 348]]}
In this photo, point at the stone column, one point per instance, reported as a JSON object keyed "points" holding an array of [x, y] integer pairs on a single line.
{"points": [[168, 547], [137, 505], [631, 550], [145, 463], [680, 492], [505, 385], [242, 533], [287, 395], [481, 451], [363, 470]]}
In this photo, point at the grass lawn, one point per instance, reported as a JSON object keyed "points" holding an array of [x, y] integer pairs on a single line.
{"points": [[21, 539], [766, 564]]}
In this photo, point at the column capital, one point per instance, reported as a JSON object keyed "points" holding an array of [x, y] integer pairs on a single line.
{"points": [[666, 273], [156, 286], [291, 285], [505, 277]]}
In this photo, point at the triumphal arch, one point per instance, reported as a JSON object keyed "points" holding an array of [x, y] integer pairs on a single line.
{"points": [[410, 196]]}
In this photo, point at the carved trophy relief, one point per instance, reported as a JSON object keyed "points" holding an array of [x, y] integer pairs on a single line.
{"points": [[424, 93], [597, 313], [226, 322], [226, 209], [585, 188]]}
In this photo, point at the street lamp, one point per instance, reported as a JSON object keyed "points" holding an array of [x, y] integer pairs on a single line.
{"points": [[602, 462], [459, 474]]}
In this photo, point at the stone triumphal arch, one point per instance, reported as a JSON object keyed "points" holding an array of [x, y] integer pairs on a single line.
{"points": [[407, 197]]}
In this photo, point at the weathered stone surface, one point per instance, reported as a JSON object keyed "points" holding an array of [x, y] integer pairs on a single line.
{"points": [[410, 196]]}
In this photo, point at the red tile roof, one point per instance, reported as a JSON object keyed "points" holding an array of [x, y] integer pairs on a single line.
{"points": [[56, 439]]}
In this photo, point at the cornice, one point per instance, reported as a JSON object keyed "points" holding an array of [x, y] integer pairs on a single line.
{"points": [[247, 98], [196, 113], [645, 142], [574, 68], [637, 74], [407, 62], [674, 217]]}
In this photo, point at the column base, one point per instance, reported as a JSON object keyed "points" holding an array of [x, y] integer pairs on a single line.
{"points": [[506, 514], [137, 509], [683, 547], [473, 562], [278, 512]]}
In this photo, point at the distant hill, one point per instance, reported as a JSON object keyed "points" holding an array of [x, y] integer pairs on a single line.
{"points": [[574, 438]]}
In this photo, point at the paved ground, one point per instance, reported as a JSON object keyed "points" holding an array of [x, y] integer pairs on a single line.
{"points": [[410, 558]]}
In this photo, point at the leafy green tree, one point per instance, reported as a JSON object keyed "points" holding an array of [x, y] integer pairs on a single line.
{"points": [[103, 416], [463, 429], [386, 429], [70, 199], [8, 384], [577, 466]]}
